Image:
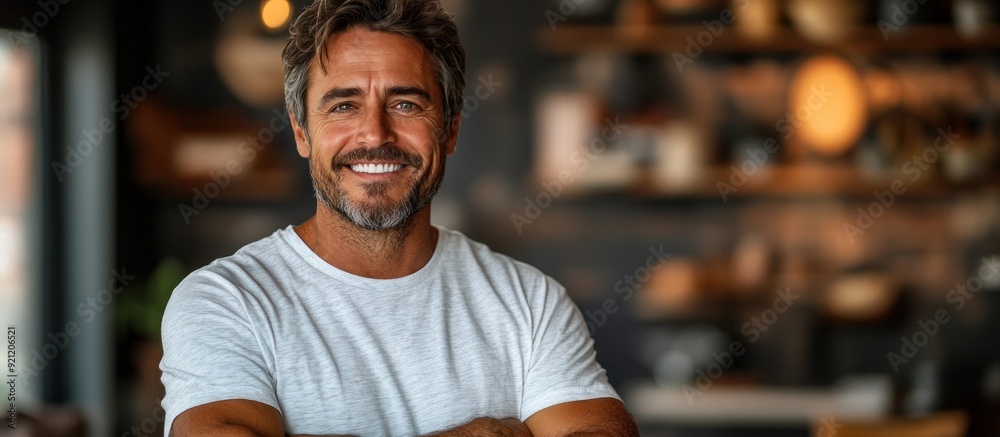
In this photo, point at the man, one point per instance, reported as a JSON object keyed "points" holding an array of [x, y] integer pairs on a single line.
{"points": [[366, 319]]}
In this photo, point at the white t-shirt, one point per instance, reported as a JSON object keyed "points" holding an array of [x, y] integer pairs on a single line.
{"points": [[473, 333]]}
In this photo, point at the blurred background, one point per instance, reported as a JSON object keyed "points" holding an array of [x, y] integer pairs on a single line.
{"points": [[778, 217]]}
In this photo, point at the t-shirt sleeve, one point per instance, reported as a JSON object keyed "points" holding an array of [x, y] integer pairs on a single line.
{"points": [[563, 364], [210, 349]]}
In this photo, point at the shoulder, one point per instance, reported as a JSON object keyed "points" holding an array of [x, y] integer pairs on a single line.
{"points": [[265, 256], [230, 278]]}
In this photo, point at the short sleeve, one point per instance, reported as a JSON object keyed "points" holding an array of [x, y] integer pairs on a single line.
{"points": [[563, 364], [210, 349]]}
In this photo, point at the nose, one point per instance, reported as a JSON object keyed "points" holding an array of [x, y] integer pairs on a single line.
{"points": [[375, 129]]}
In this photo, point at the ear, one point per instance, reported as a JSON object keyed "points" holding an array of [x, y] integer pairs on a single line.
{"points": [[301, 139], [452, 141]]}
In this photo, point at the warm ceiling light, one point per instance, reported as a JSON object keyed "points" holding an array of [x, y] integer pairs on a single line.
{"points": [[275, 13], [828, 106]]}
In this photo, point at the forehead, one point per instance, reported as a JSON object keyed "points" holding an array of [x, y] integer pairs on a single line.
{"points": [[360, 57]]}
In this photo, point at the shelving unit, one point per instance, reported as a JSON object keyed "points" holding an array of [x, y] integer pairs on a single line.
{"points": [[799, 205], [791, 181], [668, 39]]}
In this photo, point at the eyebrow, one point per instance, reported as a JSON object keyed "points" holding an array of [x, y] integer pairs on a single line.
{"points": [[409, 91], [340, 93]]}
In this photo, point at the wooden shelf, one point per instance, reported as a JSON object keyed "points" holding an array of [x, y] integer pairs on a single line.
{"points": [[789, 181], [567, 40], [748, 407]]}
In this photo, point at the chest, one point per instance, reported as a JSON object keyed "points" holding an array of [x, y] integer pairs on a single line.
{"points": [[400, 365]]}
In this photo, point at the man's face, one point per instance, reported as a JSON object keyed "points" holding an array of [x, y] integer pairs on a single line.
{"points": [[375, 138]]}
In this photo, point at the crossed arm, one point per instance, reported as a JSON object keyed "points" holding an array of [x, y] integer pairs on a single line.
{"points": [[604, 417]]}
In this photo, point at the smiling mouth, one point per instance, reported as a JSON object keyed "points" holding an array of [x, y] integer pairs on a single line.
{"points": [[375, 168]]}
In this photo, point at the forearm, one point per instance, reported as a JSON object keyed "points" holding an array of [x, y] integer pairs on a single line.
{"points": [[615, 429], [321, 435], [481, 427], [621, 426], [487, 427], [220, 430], [615, 424], [604, 417], [314, 435], [610, 430]]}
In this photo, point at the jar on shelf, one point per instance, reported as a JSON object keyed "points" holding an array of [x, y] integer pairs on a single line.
{"points": [[973, 17]]}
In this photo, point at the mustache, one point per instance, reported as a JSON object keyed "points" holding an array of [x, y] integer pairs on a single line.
{"points": [[383, 153]]}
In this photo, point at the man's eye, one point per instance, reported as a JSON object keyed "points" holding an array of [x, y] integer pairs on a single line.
{"points": [[343, 107], [406, 106]]}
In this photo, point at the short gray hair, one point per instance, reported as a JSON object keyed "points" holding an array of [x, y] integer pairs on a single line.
{"points": [[423, 20]]}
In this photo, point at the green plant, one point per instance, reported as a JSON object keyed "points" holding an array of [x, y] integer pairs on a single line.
{"points": [[140, 310]]}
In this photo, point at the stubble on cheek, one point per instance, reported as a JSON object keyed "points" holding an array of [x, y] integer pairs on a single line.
{"points": [[324, 187]]}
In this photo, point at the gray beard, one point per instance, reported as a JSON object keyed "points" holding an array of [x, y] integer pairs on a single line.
{"points": [[376, 218]]}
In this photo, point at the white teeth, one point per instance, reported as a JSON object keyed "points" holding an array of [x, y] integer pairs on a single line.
{"points": [[376, 168]]}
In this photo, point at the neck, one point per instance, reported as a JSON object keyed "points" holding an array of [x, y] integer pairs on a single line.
{"points": [[387, 254]]}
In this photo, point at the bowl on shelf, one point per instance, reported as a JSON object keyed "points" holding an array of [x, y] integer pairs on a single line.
{"points": [[757, 19], [689, 10], [973, 17], [637, 18], [826, 21]]}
